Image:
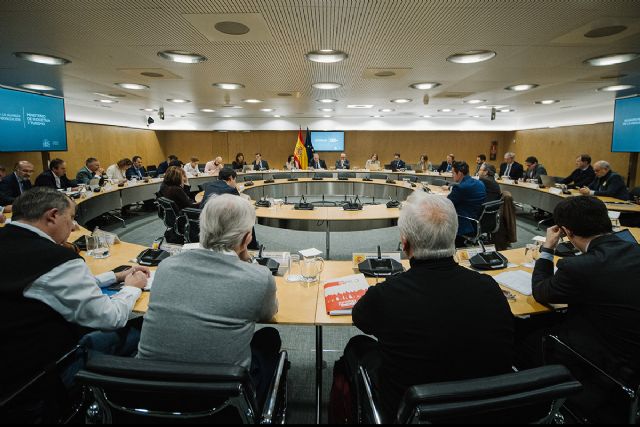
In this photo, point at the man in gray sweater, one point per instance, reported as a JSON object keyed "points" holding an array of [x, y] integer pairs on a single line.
{"points": [[205, 302]]}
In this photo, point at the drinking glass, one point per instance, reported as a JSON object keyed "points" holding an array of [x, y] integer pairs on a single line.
{"points": [[97, 246], [293, 275]]}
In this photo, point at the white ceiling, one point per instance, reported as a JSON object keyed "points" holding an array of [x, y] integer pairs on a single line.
{"points": [[537, 41]]}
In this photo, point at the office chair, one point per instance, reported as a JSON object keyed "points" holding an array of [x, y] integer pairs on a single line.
{"points": [[281, 176], [635, 195], [152, 171], [346, 175], [169, 212], [487, 224], [201, 167], [126, 390], [530, 396], [188, 225], [606, 398], [323, 175], [378, 176], [248, 178]]}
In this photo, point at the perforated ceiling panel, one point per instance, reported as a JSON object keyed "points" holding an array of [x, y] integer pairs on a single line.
{"points": [[535, 41]]}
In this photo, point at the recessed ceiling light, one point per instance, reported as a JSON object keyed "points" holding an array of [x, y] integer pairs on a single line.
{"points": [[327, 101], [148, 110], [326, 56], [252, 101], [401, 100], [267, 110], [106, 101], [607, 31], [182, 57], [109, 95], [507, 110], [490, 107], [472, 56], [33, 86], [327, 116], [616, 58], [207, 110], [327, 86], [476, 116], [474, 101], [424, 86], [360, 106], [40, 58], [229, 86], [233, 107], [522, 87], [277, 116], [426, 116], [615, 88], [179, 101], [132, 86], [326, 110], [377, 116], [446, 110], [548, 101], [387, 110]]}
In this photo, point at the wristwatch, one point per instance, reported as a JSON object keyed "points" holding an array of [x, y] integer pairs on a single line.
{"points": [[547, 250]]}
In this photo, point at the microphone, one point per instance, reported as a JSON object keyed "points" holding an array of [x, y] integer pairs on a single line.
{"points": [[379, 252], [484, 250]]}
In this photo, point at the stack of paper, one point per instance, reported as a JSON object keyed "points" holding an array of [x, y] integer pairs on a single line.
{"points": [[519, 281]]}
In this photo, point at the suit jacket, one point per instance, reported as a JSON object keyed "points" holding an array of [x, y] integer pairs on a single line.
{"points": [[140, 173], [603, 292], [580, 178], [347, 164], [444, 166], [46, 179], [265, 165], [535, 173], [10, 189], [322, 164], [398, 164], [517, 171], [610, 185], [436, 322], [468, 197], [493, 189], [162, 167], [84, 176], [217, 187]]}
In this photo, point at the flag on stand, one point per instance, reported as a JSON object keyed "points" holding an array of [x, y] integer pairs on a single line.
{"points": [[300, 153], [309, 146]]}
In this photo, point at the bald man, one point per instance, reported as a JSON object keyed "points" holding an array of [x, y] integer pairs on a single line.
{"points": [[15, 184]]}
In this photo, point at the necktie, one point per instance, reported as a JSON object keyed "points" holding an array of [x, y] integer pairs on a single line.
{"points": [[20, 185], [508, 171]]}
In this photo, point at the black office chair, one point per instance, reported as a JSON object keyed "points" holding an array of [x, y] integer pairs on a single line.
{"points": [[606, 399], [248, 178], [125, 390], [201, 167], [487, 224], [169, 213], [188, 225], [346, 175], [323, 175], [531, 396], [152, 171], [635, 195]]}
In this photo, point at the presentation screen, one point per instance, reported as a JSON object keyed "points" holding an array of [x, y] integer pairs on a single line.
{"points": [[31, 122], [327, 141], [626, 126]]}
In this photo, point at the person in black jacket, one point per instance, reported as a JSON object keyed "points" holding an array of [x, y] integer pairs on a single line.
{"points": [[436, 322], [175, 187], [510, 168], [162, 167], [607, 183], [316, 162], [447, 165], [56, 176], [136, 171], [487, 175], [15, 184], [583, 176]]}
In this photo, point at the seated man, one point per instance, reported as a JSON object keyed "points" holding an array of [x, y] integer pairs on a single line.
{"points": [[447, 165], [162, 167], [487, 175], [211, 316], [90, 170], [583, 176], [510, 168], [48, 296], [467, 196], [436, 322], [480, 160], [397, 163], [136, 171], [317, 163], [607, 183], [3, 172], [259, 164], [343, 163], [214, 167], [55, 177], [534, 169], [12, 186]]}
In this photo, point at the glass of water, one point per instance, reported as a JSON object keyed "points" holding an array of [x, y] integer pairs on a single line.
{"points": [[97, 246], [294, 273]]}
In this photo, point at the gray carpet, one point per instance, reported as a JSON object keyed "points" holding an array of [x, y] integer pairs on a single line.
{"points": [[144, 227]]}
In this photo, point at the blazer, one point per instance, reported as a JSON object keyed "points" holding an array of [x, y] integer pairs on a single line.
{"points": [[580, 178], [238, 166], [46, 179], [610, 185], [445, 167], [398, 164], [516, 172], [10, 189], [602, 290], [322, 164], [263, 163], [535, 173], [84, 176], [468, 197], [347, 164], [436, 322], [217, 187], [162, 167], [493, 189], [139, 173]]}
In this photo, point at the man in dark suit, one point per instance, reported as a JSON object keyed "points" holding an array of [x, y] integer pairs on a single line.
{"points": [[487, 176], [15, 184], [447, 165], [56, 176], [534, 169], [162, 167], [421, 318], [260, 164], [607, 183], [583, 176], [510, 168], [137, 170], [480, 160], [467, 196], [343, 162], [397, 163], [316, 163]]}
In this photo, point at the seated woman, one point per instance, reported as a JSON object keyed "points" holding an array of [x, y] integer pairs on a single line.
{"points": [[239, 163], [291, 163], [424, 164], [373, 163], [175, 187], [118, 171]]}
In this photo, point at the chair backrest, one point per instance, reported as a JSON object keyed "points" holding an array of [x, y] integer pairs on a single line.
{"points": [[188, 225], [490, 217], [152, 168], [130, 390], [534, 395], [168, 211], [323, 175], [201, 166], [635, 195], [346, 175], [378, 176], [248, 178], [281, 176]]}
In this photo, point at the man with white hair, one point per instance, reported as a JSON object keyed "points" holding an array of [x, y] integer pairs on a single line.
{"points": [[206, 302], [510, 168], [436, 322], [607, 183]]}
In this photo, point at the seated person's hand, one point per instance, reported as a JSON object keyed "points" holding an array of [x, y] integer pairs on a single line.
{"points": [[8, 209], [445, 188], [585, 191], [2, 219], [122, 276], [137, 279], [554, 234]]}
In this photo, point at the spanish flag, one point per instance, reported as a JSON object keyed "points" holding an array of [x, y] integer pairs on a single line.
{"points": [[300, 153]]}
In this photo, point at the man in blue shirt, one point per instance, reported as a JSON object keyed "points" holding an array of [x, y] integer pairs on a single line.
{"points": [[467, 196]]}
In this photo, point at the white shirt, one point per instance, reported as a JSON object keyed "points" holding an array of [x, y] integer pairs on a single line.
{"points": [[212, 169], [190, 170], [114, 173], [71, 290]]}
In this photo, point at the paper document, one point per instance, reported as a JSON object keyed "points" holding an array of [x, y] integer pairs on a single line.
{"points": [[519, 281], [152, 275]]}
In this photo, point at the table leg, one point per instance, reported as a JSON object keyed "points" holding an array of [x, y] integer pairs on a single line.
{"points": [[318, 373], [328, 244]]}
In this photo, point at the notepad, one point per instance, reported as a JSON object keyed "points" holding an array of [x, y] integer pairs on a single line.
{"points": [[519, 281], [152, 275]]}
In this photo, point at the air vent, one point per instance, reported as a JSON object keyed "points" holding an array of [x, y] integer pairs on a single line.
{"points": [[289, 94], [248, 27], [150, 73], [386, 73], [454, 95]]}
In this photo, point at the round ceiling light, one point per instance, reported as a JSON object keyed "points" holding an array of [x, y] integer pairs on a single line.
{"points": [[547, 101], [267, 110], [387, 110], [615, 88], [522, 87], [616, 58], [472, 56], [252, 101], [327, 101], [377, 116], [490, 107], [605, 31], [475, 101], [446, 110], [232, 28], [33, 86], [326, 116], [426, 116], [327, 86], [40, 58], [424, 86], [132, 86], [109, 95], [208, 110], [277, 116], [507, 110], [148, 110], [228, 86], [326, 110], [106, 101], [326, 56], [178, 101], [401, 100], [182, 57]]}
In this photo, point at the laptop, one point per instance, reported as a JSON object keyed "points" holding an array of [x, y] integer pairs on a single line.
{"points": [[548, 181], [626, 236]]}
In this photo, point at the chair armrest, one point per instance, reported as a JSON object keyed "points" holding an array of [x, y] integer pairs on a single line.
{"points": [[368, 389], [269, 410]]}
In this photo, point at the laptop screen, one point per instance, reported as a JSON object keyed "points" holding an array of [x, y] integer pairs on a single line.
{"points": [[626, 236]]}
